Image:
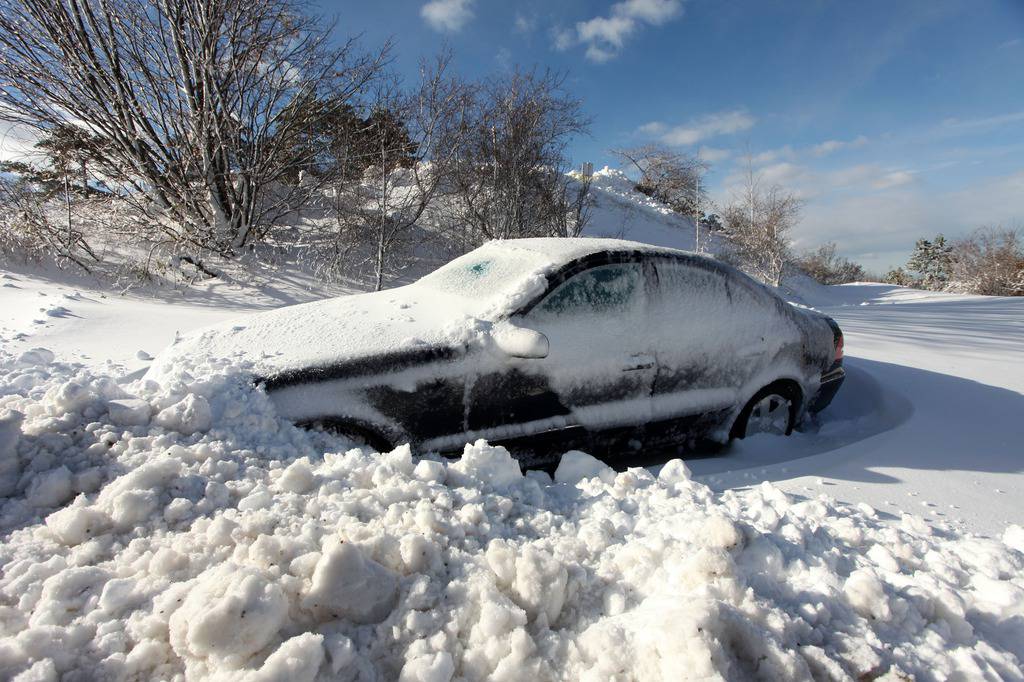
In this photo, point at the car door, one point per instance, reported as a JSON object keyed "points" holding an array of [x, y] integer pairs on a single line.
{"points": [[708, 337], [599, 370]]}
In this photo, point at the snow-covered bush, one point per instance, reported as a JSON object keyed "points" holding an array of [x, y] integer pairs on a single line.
{"points": [[825, 266], [151, 531], [989, 262], [757, 224], [29, 230]]}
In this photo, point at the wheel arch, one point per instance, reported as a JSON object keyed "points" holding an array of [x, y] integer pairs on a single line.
{"points": [[786, 386], [377, 437]]}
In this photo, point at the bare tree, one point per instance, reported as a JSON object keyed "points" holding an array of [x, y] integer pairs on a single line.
{"points": [[579, 203], [508, 177], [673, 178], [408, 143], [990, 262], [188, 98], [757, 225], [826, 266]]}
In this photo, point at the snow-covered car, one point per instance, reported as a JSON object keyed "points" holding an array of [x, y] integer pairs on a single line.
{"points": [[543, 345]]}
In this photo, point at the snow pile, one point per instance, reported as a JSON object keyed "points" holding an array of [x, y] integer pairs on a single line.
{"points": [[153, 530], [621, 211], [614, 183]]}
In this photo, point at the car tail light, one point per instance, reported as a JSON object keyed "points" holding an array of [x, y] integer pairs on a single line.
{"points": [[837, 338]]}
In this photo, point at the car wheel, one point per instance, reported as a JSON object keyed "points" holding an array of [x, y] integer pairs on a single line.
{"points": [[772, 410]]}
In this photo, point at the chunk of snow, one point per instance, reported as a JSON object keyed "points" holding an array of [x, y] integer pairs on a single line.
{"points": [[36, 356], [187, 416], [1013, 537], [867, 595], [347, 585], [298, 477], [674, 471], [429, 471], [437, 667], [129, 412], [296, 660], [231, 613], [576, 466], [50, 489], [492, 465], [75, 524]]}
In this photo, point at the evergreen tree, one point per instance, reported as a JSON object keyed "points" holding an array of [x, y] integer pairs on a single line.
{"points": [[69, 150], [933, 262], [898, 276]]}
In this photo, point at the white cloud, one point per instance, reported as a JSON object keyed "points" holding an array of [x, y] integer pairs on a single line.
{"points": [[564, 38], [955, 125], [819, 150], [878, 228], [605, 36], [524, 23], [447, 15], [504, 58], [697, 130], [784, 174], [892, 179], [812, 184], [772, 155], [652, 128], [858, 175], [713, 154], [829, 146]]}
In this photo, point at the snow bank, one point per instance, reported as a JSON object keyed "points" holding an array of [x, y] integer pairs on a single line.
{"points": [[152, 531]]}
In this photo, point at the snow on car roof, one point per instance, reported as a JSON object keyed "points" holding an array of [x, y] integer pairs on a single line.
{"points": [[564, 249], [502, 275]]}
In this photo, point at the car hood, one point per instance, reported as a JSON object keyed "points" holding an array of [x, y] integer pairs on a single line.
{"points": [[326, 334]]}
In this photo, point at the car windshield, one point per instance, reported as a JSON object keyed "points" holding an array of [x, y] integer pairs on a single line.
{"points": [[490, 275]]}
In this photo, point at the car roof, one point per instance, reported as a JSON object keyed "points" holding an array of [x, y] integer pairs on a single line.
{"points": [[560, 250]]}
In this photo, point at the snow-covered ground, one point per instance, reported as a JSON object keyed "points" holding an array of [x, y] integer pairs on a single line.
{"points": [[184, 530]]}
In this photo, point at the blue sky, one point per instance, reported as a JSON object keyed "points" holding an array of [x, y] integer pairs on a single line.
{"points": [[893, 118]]}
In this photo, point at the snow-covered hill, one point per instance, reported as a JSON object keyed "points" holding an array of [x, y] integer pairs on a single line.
{"points": [[185, 530]]}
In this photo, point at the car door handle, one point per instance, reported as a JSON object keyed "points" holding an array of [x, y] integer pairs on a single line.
{"points": [[752, 350], [638, 362]]}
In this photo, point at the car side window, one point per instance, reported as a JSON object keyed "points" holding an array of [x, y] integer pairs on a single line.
{"points": [[690, 288], [680, 281], [602, 289]]}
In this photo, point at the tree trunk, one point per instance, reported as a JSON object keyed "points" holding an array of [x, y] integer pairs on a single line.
{"points": [[67, 202], [382, 228], [379, 269]]}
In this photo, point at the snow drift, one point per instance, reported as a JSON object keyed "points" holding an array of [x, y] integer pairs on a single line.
{"points": [[182, 528]]}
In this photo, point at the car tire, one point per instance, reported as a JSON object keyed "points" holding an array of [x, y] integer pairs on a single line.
{"points": [[773, 409]]}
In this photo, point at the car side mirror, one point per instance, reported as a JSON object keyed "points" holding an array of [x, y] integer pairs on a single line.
{"points": [[520, 342]]}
